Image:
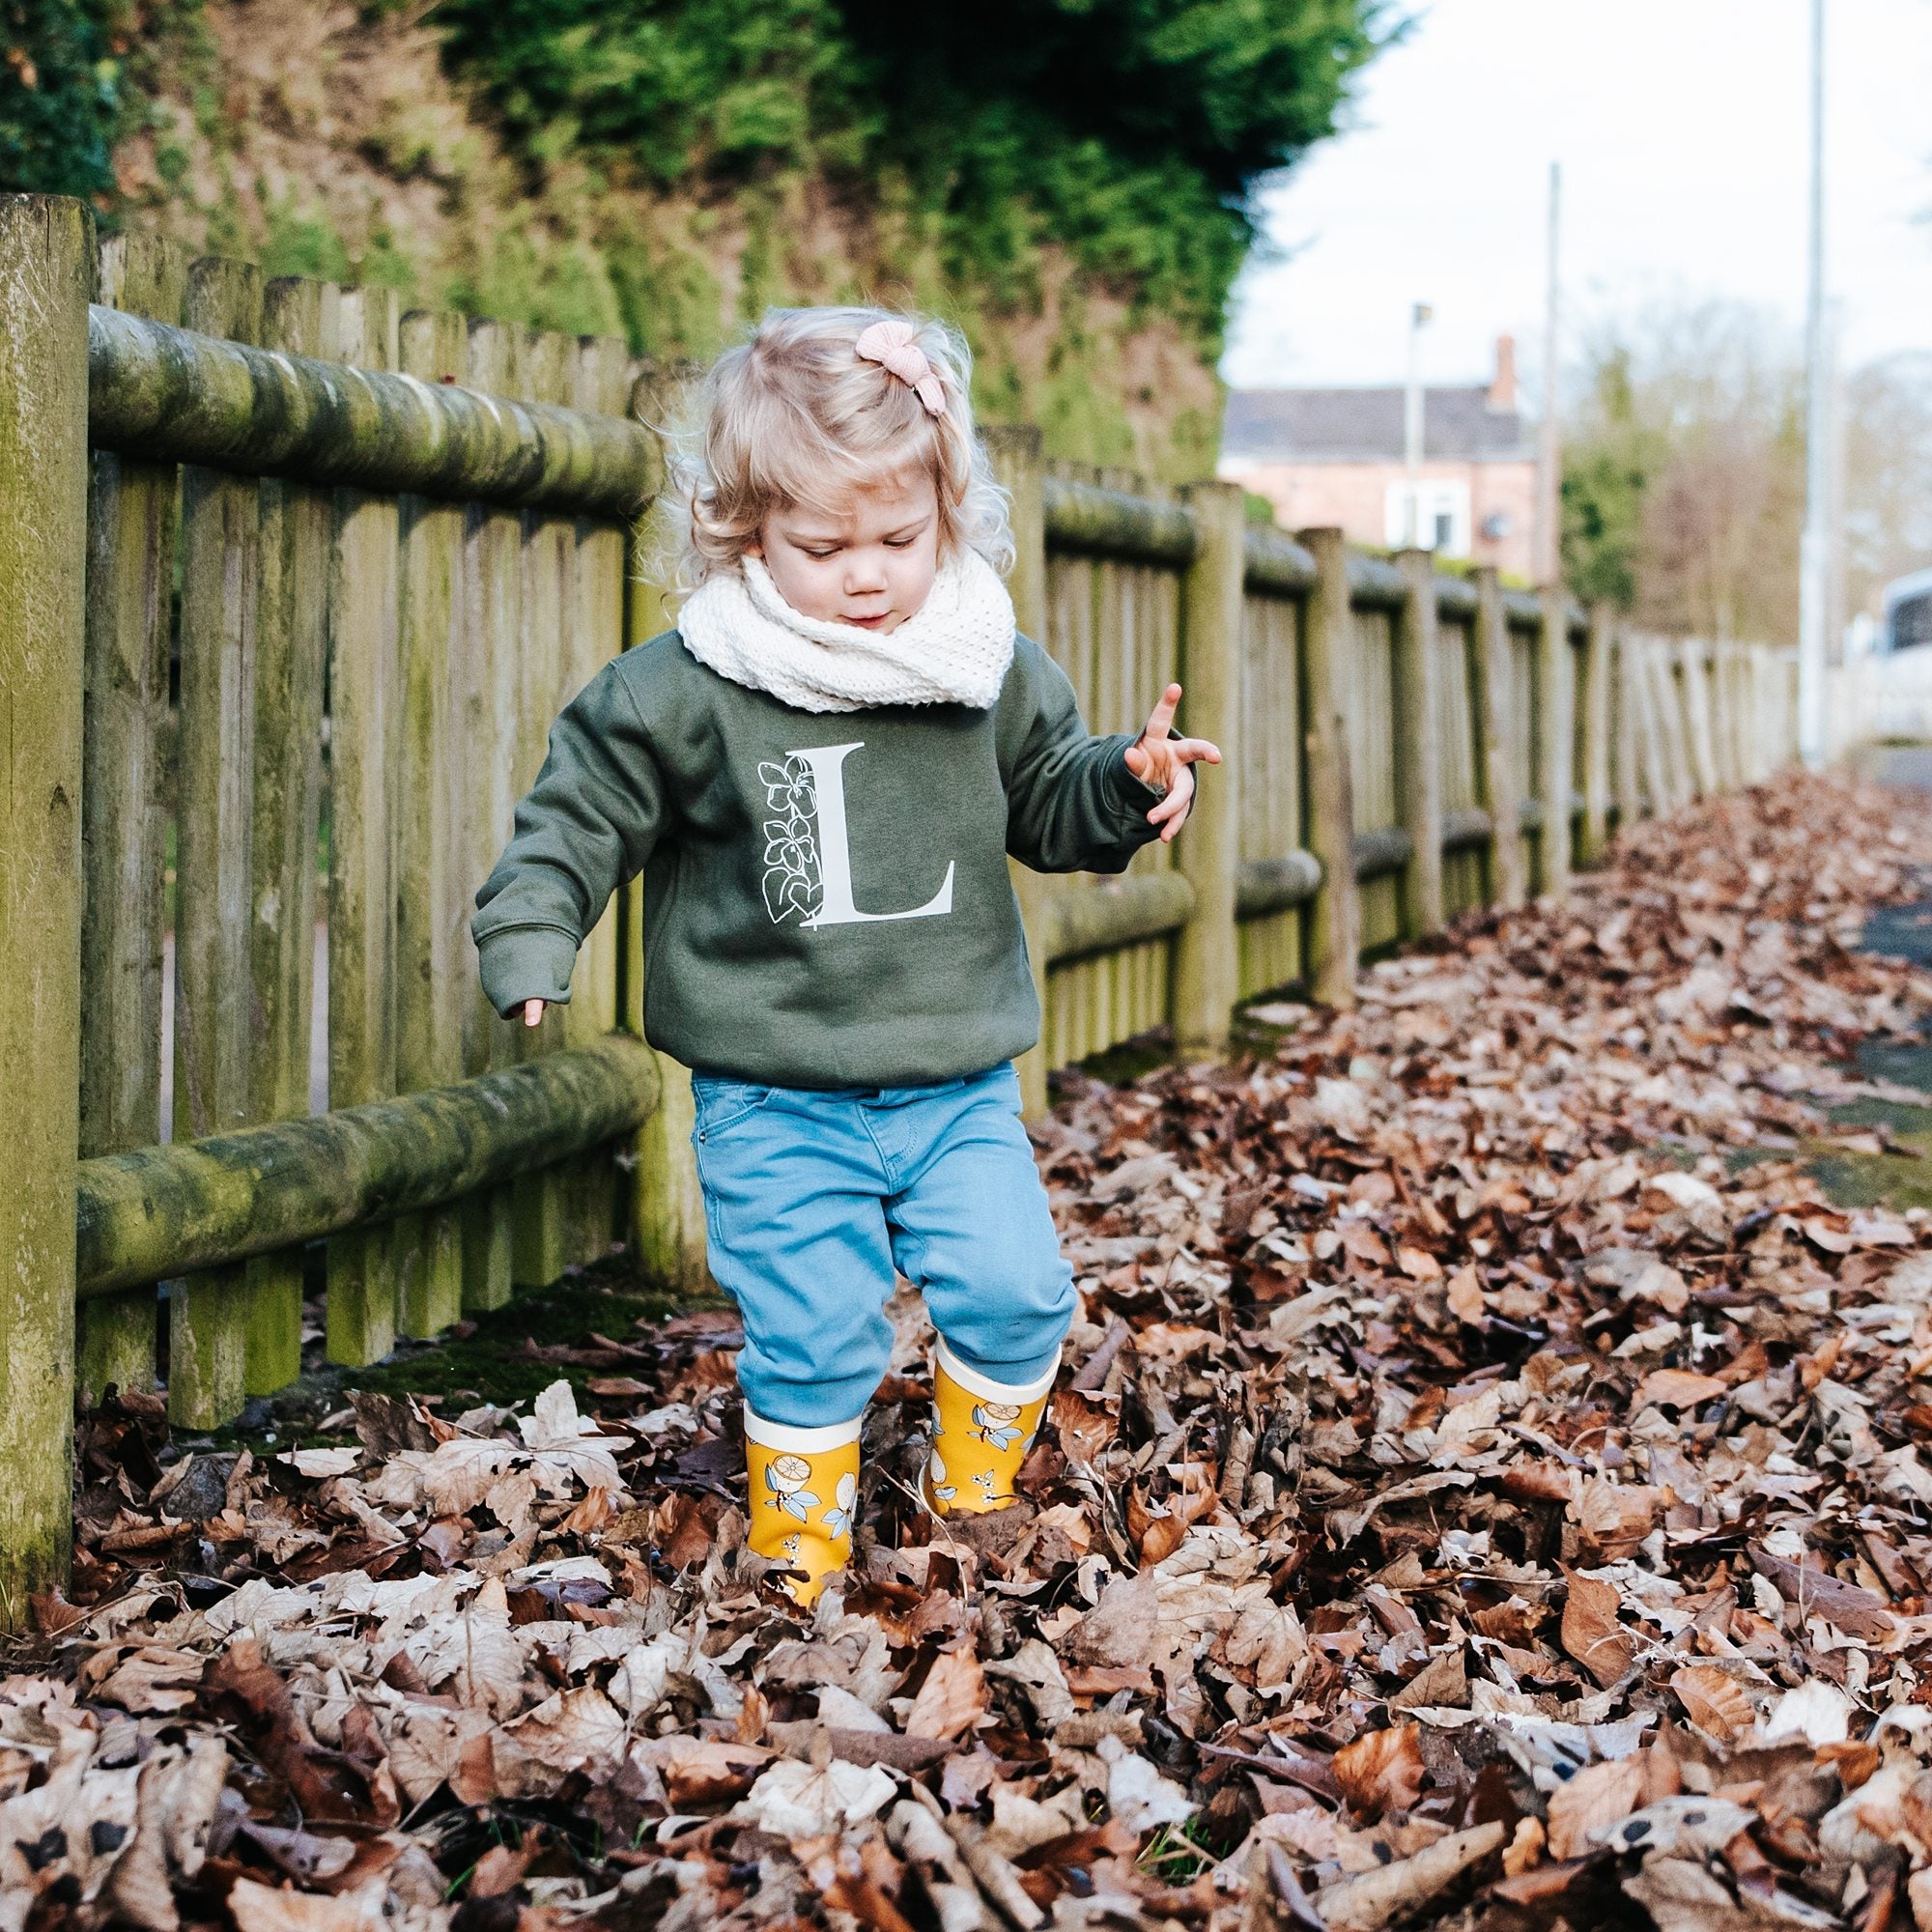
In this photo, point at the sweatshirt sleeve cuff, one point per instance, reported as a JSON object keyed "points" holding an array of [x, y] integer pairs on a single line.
{"points": [[526, 962]]}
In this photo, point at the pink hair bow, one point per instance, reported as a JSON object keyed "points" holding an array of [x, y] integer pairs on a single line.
{"points": [[894, 347]]}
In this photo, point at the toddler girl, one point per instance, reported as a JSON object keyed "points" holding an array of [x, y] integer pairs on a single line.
{"points": [[820, 774]]}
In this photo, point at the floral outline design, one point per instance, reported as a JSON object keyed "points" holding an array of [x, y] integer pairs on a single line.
{"points": [[792, 885]]}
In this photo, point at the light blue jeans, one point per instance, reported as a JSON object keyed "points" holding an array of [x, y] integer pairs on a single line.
{"points": [[812, 1200]]}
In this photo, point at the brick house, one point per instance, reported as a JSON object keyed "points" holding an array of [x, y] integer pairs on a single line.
{"points": [[1335, 456]]}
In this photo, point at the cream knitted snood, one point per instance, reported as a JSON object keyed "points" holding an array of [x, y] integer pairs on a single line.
{"points": [[954, 650]]}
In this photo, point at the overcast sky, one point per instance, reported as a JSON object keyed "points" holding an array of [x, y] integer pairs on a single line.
{"points": [[1682, 128]]}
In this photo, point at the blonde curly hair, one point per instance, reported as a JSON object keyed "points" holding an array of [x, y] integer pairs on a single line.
{"points": [[793, 415]]}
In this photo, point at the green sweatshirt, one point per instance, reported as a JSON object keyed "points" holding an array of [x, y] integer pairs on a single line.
{"points": [[826, 896]]}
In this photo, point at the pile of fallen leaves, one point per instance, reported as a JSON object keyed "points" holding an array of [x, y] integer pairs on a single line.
{"points": [[1489, 1485]]}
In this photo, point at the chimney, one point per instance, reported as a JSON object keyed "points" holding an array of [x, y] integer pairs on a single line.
{"points": [[1503, 385]]}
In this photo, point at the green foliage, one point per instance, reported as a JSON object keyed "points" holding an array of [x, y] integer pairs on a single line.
{"points": [[301, 244], [62, 94], [1131, 131], [1608, 471], [1684, 470]]}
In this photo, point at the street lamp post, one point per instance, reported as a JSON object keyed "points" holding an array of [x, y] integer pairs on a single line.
{"points": [[1419, 318], [1814, 547]]}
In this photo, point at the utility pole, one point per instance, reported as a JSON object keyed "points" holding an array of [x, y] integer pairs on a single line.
{"points": [[1419, 318], [1814, 547], [1549, 545]]}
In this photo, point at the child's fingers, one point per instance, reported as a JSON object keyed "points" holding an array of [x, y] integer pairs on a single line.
{"points": [[1175, 805], [1160, 720], [533, 1013], [1195, 750]]}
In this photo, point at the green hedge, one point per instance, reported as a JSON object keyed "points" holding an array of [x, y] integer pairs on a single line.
{"points": [[1132, 131]]}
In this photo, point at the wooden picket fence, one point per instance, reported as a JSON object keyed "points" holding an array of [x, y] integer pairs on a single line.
{"points": [[283, 573]]}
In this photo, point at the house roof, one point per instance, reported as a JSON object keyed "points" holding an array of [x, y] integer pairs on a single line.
{"points": [[1365, 425]]}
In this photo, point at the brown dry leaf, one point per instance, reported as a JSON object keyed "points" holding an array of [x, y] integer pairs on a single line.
{"points": [[1083, 1423], [1715, 1701], [952, 1701], [148, 1680], [703, 1771], [261, 1908], [1591, 1632], [1678, 1389], [574, 1730], [1524, 1851], [1614, 1518], [1382, 1771], [500, 1869], [1598, 1795], [1465, 1296], [1118, 1629]]}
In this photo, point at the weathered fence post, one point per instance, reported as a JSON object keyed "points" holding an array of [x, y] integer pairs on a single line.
{"points": [[1019, 465], [667, 1215], [124, 810], [428, 1248], [493, 585], [1335, 923], [1208, 948], [550, 1233], [1672, 721], [1502, 793], [1419, 744], [365, 705], [1693, 663], [1653, 738], [1597, 735], [47, 248], [1556, 729], [220, 620], [1624, 749], [298, 523]]}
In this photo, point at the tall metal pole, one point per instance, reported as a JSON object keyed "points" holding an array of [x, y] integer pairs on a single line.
{"points": [[1548, 560], [1411, 427], [1814, 547]]}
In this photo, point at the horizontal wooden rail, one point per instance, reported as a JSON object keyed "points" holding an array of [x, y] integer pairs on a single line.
{"points": [[1374, 583], [1099, 918], [1467, 827], [1378, 854], [1275, 565], [1265, 885], [163, 1211], [170, 394], [1095, 522]]}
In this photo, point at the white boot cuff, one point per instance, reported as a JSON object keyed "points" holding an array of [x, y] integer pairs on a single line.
{"points": [[987, 1389], [800, 1441]]}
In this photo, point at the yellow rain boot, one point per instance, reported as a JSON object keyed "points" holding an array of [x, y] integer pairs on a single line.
{"points": [[982, 1431], [804, 1488]]}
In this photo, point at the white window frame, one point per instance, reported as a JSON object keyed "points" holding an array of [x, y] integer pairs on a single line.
{"points": [[1436, 496]]}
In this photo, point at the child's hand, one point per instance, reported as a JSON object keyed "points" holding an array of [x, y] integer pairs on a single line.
{"points": [[533, 1013], [1156, 759]]}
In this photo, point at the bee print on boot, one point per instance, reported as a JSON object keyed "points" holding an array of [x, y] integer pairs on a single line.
{"points": [[994, 1422]]}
